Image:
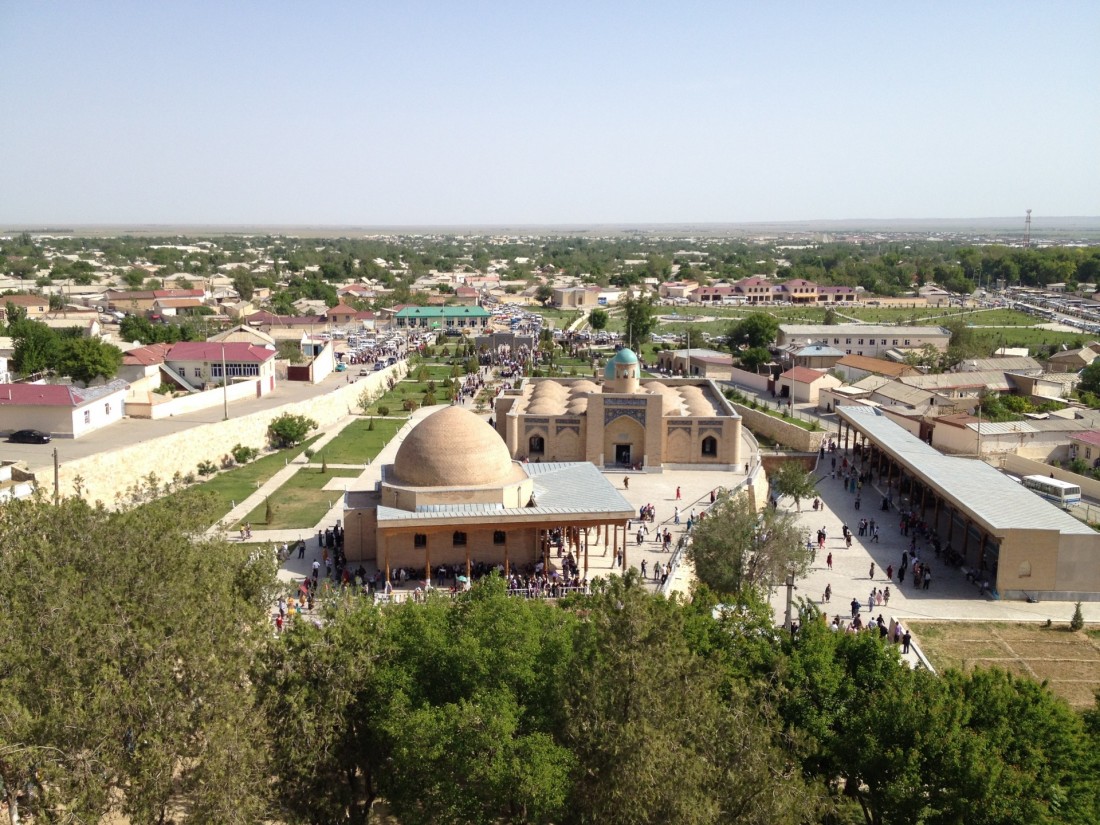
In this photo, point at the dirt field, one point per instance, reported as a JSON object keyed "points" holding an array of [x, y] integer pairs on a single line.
{"points": [[1069, 662]]}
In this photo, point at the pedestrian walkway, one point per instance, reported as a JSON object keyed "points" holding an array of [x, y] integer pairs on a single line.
{"points": [[950, 596]]}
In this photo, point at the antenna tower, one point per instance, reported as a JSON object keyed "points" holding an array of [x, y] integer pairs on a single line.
{"points": [[1027, 229]]}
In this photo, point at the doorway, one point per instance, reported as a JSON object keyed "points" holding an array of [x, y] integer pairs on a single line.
{"points": [[622, 454]]}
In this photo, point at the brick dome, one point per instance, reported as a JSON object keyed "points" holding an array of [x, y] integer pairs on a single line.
{"points": [[453, 448]]}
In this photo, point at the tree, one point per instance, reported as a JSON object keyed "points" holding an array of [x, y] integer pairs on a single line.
{"points": [[543, 294], [698, 753], [597, 319], [736, 548], [244, 283], [134, 278], [145, 626], [831, 318], [1090, 378], [754, 358], [755, 330], [792, 480], [86, 359], [37, 347], [288, 429], [640, 315]]}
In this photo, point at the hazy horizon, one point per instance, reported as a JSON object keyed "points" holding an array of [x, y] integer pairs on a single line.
{"points": [[491, 115]]}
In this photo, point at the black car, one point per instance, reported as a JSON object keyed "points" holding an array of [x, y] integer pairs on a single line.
{"points": [[29, 437]]}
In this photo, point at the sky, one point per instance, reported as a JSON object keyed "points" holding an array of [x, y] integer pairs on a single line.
{"points": [[533, 113]]}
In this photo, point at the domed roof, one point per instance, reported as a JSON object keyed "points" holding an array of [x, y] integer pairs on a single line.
{"points": [[624, 356], [453, 448]]}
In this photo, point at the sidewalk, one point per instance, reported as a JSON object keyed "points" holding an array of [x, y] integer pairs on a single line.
{"points": [[950, 596]]}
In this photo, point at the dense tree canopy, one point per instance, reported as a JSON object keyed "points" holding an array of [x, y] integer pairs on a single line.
{"points": [[756, 330]]}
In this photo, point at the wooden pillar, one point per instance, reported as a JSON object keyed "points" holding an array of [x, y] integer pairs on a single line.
{"points": [[625, 542], [923, 497], [427, 560], [506, 571], [586, 551], [545, 552], [936, 518], [467, 557], [387, 558], [981, 551], [966, 537], [950, 524]]}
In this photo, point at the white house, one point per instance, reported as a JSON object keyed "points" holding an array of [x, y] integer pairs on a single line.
{"points": [[61, 409], [204, 362]]}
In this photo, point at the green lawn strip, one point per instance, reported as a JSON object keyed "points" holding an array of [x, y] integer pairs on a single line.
{"points": [[1038, 341], [234, 486], [357, 443], [300, 503]]}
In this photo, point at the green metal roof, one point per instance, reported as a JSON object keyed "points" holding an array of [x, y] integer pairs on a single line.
{"points": [[443, 312]]}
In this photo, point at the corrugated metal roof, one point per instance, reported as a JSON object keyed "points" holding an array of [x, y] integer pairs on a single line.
{"points": [[990, 497], [1002, 427], [561, 489]]}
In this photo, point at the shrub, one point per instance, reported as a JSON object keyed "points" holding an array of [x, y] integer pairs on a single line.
{"points": [[383, 410], [1078, 620], [242, 454], [429, 399], [409, 404], [287, 430], [227, 462], [207, 468], [308, 453]]}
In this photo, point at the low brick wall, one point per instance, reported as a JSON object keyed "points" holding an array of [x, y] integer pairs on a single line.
{"points": [[106, 475], [779, 431]]}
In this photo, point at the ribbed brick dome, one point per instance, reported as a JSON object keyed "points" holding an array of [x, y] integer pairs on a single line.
{"points": [[453, 448]]}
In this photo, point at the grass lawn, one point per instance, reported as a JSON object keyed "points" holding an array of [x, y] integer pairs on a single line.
{"points": [[357, 444], [1038, 341], [395, 398], [300, 503], [238, 484], [432, 371], [1069, 661]]}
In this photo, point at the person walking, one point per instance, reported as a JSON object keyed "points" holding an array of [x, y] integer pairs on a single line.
{"points": [[828, 593], [905, 641], [871, 575], [677, 493], [829, 561]]}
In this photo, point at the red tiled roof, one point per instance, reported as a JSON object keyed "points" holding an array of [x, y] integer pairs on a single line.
{"points": [[803, 375], [25, 300], [341, 309], [1087, 437], [40, 395], [236, 351], [146, 356], [178, 303]]}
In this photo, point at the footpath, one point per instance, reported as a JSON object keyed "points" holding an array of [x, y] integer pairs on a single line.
{"points": [[950, 597]]}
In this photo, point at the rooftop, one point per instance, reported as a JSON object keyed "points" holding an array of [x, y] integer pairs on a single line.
{"points": [[991, 497]]}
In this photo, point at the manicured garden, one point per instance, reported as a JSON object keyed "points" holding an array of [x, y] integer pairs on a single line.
{"points": [[301, 502], [234, 486], [360, 441]]}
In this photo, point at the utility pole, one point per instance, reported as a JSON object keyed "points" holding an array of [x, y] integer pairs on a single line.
{"points": [[56, 478], [790, 601], [225, 387]]}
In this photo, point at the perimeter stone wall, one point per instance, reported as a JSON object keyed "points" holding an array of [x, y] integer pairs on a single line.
{"points": [[789, 435], [106, 475]]}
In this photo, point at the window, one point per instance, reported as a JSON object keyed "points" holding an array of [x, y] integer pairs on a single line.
{"points": [[1088, 450], [420, 540], [884, 342], [849, 340], [906, 342], [895, 342], [107, 408], [860, 342], [499, 537], [836, 340], [459, 539], [847, 352], [87, 416], [536, 445], [710, 446], [198, 372]]}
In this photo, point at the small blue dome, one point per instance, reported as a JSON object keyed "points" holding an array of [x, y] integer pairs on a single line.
{"points": [[624, 356]]}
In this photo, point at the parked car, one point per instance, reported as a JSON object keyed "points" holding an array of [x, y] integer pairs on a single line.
{"points": [[29, 437]]}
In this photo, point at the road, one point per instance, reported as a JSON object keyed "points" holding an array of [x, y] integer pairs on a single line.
{"points": [[137, 430]]}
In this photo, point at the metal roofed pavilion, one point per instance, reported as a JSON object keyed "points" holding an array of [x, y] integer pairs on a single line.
{"points": [[989, 496]]}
